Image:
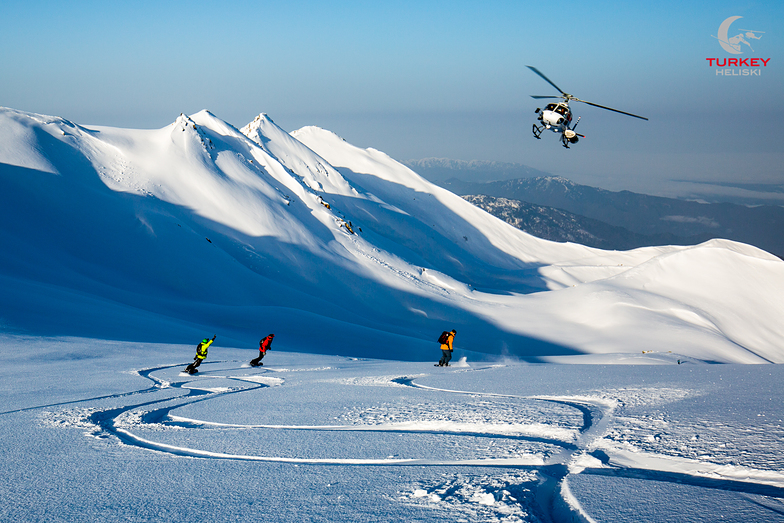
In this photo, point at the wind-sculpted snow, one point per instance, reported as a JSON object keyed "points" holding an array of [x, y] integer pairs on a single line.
{"points": [[159, 234], [379, 440]]}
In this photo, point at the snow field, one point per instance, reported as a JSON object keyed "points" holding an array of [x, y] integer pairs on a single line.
{"points": [[485, 442]]}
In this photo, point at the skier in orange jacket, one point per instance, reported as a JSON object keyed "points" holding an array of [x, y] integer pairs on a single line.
{"points": [[446, 339]]}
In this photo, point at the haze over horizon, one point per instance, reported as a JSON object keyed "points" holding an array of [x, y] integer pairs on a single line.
{"points": [[426, 79]]}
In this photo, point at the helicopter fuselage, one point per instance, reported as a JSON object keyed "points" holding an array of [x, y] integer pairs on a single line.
{"points": [[557, 117]]}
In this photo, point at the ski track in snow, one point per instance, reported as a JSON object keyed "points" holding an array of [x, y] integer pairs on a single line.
{"points": [[528, 479]]}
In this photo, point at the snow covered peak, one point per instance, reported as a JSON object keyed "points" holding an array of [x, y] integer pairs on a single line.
{"points": [[558, 179], [317, 131], [314, 171], [21, 132], [549, 183], [336, 248], [254, 127], [183, 121], [340, 153], [185, 130], [205, 118]]}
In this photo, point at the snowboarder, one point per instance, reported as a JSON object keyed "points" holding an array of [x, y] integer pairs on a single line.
{"points": [[264, 345], [446, 339], [201, 354]]}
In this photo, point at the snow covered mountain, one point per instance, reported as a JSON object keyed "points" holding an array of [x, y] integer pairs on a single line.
{"points": [[201, 228], [641, 214], [562, 226]]}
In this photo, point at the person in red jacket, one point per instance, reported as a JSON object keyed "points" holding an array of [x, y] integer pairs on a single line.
{"points": [[264, 345]]}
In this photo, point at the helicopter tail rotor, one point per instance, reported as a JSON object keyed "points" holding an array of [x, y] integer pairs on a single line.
{"points": [[570, 135]]}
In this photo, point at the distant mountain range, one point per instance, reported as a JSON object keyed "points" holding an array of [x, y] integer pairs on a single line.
{"points": [[439, 170], [602, 218], [557, 225]]}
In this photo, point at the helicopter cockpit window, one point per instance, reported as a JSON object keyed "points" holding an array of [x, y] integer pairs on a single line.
{"points": [[550, 107], [560, 109]]}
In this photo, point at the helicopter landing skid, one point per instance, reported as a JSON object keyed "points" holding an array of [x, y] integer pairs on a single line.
{"points": [[537, 132]]}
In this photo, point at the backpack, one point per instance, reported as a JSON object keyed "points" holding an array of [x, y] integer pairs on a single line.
{"points": [[443, 338]]}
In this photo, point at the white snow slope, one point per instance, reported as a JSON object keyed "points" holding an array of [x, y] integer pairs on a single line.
{"points": [[96, 430], [201, 228]]}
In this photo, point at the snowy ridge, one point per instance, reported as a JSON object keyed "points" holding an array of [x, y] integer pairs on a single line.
{"points": [[316, 173], [158, 233]]}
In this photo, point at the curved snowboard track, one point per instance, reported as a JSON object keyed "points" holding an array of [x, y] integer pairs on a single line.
{"points": [[552, 496]]}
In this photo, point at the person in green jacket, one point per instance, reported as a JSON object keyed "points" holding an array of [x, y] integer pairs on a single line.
{"points": [[201, 354]]}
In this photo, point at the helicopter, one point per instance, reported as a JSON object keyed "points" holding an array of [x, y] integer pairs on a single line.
{"points": [[558, 116]]}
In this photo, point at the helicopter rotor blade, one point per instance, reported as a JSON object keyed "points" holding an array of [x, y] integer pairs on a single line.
{"points": [[537, 71], [537, 96], [609, 109]]}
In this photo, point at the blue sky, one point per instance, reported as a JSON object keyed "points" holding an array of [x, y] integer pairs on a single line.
{"points": [[422, 79]]}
